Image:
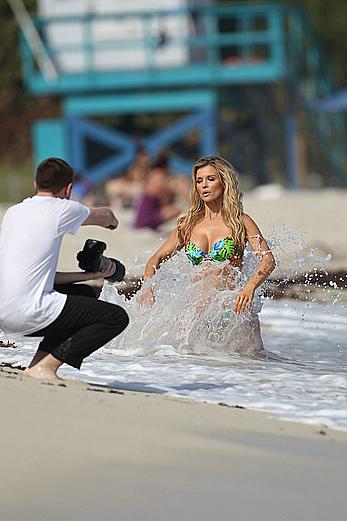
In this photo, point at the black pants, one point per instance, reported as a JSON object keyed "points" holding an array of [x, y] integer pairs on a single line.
{"points": [[84, 325]]}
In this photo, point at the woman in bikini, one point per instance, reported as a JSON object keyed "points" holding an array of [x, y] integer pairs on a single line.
{"points": [[199, 287], [215, 229]]}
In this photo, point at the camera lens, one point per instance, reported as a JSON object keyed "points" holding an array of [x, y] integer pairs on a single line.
{"points": [[119, 272], [103, 264]]}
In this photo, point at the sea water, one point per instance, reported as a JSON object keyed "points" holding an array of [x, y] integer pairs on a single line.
{"points": [[188, 342]]}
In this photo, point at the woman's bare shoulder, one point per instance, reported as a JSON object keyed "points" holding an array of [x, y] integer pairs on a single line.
{"points": [[247, 219], [250, 225]]}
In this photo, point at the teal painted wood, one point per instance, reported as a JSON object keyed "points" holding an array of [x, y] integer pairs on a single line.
{"points": [[245, 55], [243, 44], [109, 104], [192, 76], [124, 146], [50, 139]]}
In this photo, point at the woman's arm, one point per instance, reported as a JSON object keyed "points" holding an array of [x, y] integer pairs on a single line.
{"points": [[266, 266], [165, 251]]}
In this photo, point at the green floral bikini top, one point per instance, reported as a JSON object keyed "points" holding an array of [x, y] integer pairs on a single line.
{"points": [[223, 250]]}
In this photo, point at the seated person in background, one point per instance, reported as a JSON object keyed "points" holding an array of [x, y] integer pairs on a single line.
{"points": [[179, 185], [156, 205], [122, 191], [178, 188]]}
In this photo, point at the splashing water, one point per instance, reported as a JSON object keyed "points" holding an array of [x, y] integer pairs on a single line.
{"points": [[190, 343], [192, 312]]}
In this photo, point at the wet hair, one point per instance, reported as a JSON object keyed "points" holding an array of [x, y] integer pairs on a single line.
{"points": [[232, 208], [53, 174]]}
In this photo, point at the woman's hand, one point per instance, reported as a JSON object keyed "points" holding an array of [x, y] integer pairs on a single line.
{"points": [[244, 299], [146, 297]]}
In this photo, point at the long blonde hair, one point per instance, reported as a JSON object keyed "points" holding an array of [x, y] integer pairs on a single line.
{"points": [[232, 209]]}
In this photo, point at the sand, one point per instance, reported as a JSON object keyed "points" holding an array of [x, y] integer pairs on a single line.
{"points": [[315, 217], [78, 453]]}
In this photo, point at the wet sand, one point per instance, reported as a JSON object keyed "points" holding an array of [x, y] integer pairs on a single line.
{"points": [[79, 452]]}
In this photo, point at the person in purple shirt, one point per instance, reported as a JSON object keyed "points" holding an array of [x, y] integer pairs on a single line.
{"points": [[155, 206]]}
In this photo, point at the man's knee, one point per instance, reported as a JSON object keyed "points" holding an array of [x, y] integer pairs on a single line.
{"points": [[122, 318], [117, 319]]}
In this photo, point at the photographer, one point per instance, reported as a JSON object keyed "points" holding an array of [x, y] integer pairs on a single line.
{"points": [[37, 301]]}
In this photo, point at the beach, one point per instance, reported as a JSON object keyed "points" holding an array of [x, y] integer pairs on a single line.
{"points": [[79, 452], [82, 451], [314, 218]]}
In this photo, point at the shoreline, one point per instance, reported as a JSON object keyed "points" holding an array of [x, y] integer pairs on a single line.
{"points": [[87, 451], [15, 370], [317, 285]]}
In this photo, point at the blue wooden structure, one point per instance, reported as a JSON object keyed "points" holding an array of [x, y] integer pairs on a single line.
{"points": [[239, 45]]}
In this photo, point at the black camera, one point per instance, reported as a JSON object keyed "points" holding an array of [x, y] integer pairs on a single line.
{"points": [[91, 259]]}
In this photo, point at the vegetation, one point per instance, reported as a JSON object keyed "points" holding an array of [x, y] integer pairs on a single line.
{"points": [[18, 111], [329, 20]]}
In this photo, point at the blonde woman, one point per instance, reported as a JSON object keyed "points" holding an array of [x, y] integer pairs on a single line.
{"points": [[215, 229], [198, 297]]}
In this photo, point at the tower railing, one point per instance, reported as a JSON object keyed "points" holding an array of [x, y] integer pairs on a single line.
{"points": [[207, 45]]}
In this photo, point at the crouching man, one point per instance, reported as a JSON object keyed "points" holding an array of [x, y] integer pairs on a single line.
{"points": [[37, 301]]}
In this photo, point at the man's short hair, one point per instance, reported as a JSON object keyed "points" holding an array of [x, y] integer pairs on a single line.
{"points": [[53, 174]]}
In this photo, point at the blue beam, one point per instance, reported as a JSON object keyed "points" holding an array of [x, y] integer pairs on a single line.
{"points": [[164, 137], [195, 75], [97, 105], [122, 144], [291, 145], [49, 139], [208, 142]]}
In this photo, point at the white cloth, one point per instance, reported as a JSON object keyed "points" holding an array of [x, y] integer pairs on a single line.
{"points": [[30, 240]]}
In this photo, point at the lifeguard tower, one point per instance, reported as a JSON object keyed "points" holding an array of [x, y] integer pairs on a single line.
{"points": [[110, 58]]}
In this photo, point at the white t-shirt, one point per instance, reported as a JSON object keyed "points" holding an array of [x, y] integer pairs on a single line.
{"points": [[30, 240]]}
